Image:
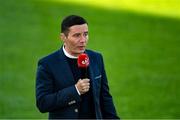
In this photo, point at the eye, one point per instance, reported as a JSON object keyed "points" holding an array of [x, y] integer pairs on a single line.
{"points": [[77, 35], [86, 34]]}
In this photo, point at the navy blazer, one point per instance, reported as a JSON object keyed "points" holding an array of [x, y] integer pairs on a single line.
{"points": [[56, 92]]}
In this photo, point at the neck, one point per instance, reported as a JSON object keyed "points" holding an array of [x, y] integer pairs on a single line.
{"points": [[68, 54]]}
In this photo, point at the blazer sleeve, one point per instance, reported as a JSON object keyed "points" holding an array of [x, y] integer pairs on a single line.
{"points": [[106, 101], [46, 99]]}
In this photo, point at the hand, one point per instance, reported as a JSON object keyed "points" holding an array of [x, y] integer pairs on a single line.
{"points": [[83, 85]]}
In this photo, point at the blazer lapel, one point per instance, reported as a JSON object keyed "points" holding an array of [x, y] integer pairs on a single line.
{"points": [[91, 75]]}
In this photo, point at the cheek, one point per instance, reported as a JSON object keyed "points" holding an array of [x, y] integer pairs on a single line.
{"points": [[73, 43], [87, 38]]}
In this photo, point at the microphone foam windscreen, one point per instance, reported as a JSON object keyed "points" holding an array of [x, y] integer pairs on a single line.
{"points": [[83, 60]]}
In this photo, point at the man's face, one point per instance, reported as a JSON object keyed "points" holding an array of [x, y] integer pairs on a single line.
{"points": [[76, 40]]}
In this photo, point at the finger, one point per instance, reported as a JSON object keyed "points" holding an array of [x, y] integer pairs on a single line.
{"points": [[84, 88], [83, 84], [86, 80], [86, 85], [81, 81], [87, 90]]}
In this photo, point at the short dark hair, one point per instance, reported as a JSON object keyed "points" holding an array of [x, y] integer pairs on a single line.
{"points": [[70, 21]]}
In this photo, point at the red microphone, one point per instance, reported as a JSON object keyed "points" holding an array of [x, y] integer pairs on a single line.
{"points": [[83, 63]]}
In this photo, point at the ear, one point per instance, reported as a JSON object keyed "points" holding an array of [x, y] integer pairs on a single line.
{"points": [[63, 37]]}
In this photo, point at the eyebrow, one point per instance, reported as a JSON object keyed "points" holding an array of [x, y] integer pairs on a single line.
{"points": [[80, 33]]}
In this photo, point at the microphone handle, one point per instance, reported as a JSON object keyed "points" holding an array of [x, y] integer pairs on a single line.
{"points": [[83, 73]]}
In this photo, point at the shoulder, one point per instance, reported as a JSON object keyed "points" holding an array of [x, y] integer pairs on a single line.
{"points": [[94, 55], [50, 58]]}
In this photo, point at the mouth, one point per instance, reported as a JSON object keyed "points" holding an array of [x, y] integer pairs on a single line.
{"points": [[82, 47]]}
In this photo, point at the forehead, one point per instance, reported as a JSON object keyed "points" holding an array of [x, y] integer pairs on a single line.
{"points": [[78, 28]]}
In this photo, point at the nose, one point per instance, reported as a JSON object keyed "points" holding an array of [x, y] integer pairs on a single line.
{"points": [[83, 39]]}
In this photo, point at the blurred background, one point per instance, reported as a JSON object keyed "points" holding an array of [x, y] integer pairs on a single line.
{"points": [[139, 40]]}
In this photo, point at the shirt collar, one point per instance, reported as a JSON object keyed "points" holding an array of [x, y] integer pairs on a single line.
{"points": [[68, 55]]}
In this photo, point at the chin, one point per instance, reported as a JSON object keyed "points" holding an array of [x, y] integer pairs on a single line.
{"points": [[81, 51]]}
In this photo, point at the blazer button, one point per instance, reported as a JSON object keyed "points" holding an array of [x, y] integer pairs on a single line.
{"points": [[75, 110]]}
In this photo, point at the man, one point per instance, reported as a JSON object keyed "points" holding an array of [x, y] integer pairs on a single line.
{"points": [[59, 87]]}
